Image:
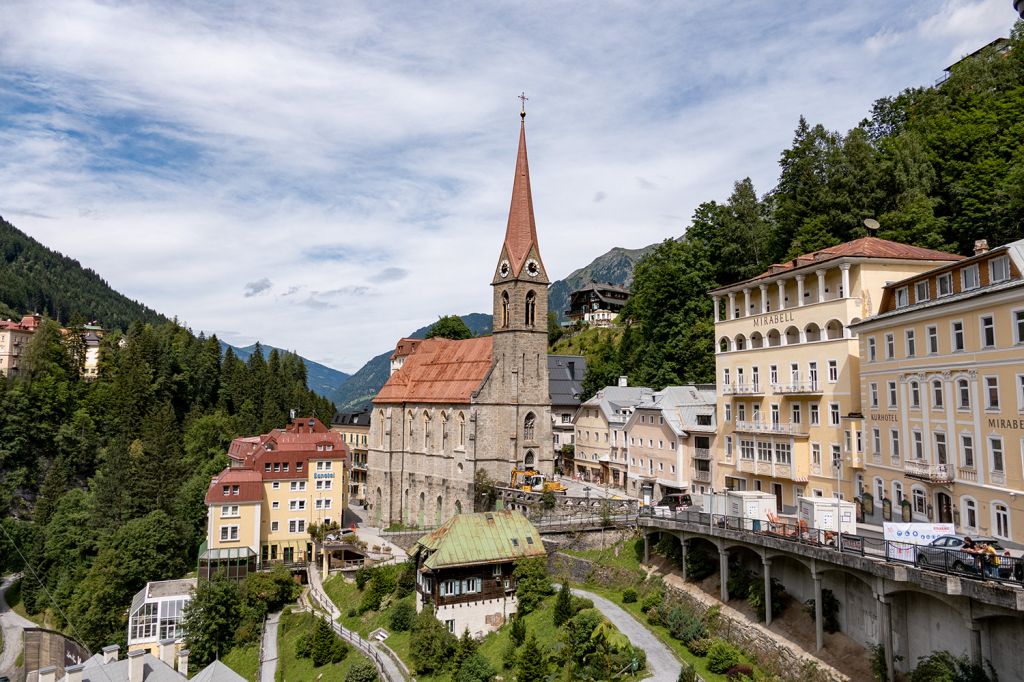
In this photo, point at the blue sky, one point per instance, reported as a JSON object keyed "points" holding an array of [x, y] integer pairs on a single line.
{"points": [[329, 176]]}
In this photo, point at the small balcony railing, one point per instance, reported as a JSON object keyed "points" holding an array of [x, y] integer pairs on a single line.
{"points": [[968, 474], [702, 476], [702, 453], [778, 428], [797, 388], [743, 389], [926, 471]]}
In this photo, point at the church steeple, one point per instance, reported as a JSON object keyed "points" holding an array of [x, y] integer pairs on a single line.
{"points": [[520, 250]]}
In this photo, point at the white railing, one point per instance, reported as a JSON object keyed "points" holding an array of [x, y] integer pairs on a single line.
{"points": [[918, 468], [967, 474], [798, 387], [742, 389], [702, 453], [703, 476], [782, 428]]}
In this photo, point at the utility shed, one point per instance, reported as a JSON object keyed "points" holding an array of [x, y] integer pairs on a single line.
{"points": [[464, 568]]}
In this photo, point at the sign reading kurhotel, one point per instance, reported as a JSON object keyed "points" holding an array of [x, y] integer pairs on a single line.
{"points": [[767, 320]]}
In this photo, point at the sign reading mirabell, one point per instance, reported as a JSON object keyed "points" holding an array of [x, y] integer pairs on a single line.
{"points": [[778, 318]]}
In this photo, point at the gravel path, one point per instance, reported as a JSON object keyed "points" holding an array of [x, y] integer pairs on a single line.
{"points": [[12, 625], [268, 661], [662, 663]]}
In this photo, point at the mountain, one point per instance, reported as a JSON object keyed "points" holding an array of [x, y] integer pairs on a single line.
{"points": [[364, 384], [320, 379], [35, 279], [614, 267]]}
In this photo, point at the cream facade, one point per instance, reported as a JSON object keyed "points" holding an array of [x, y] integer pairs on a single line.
{"points": [[788, 368], [602, 451], [942, 385], [277, 485], [670, 436], [14, 337]]}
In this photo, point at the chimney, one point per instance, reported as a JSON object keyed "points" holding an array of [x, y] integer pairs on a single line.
{"points": [[110, 653], [74, 673], [980, 246], [167, 652], [183, 662], [623, 381], [48, 674], [136, 665]]}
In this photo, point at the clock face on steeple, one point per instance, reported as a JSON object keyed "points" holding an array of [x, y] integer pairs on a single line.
{"points": [[504, 269], [532, 268]]}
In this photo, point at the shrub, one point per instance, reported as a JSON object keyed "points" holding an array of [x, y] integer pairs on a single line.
{"points": [[430, 645], [687, 674], [303, 646], [325, 646], [362, 671], [942, 666], [654, 616], [652, 600], [699, 564], [684, 626], [699, 646], [517, 631], [402, 616], [352, 613], [755, 597], [405, 582], [362, 577], [510, 656], [580, 603], [669, 547], [722, 656], [740, 672], [563, 606], [532, 583], [829, 610], [739, 582], [629, 596], [476, 668]]}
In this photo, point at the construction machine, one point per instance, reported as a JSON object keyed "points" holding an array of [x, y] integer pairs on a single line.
{"points": [[531, 481]]}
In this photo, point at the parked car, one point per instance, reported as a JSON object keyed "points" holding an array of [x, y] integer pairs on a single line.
{"points": [[946, 551], [674, 502]]}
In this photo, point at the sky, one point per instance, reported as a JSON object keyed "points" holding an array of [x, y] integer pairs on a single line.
{"points": [[328, 176]]}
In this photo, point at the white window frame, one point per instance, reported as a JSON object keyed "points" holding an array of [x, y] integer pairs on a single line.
{"points": [[944, 284], [968, 456], [999, 269], [910, 337], [992, 383], [932, 334], [956, 337], [918, 287], [902, 297], [986, 330], [835, 416], [890, 345], [872, 349], [229, 533], [873, 393], [1017, 317], [892, 397], [970, 277], [833, 371]]}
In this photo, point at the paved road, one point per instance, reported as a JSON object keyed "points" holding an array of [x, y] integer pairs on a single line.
{"points": [[268, 663], [662, 663], [12, 625]]}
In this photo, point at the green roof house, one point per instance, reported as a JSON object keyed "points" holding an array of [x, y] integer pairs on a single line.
{"points": [[464, 568]]}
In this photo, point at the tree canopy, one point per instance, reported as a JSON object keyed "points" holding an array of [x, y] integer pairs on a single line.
{"points": [[450, 327]]}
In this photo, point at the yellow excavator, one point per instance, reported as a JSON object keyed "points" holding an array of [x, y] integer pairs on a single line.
{"points": [[529, 480]]}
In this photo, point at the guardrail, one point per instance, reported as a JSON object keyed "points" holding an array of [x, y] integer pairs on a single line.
{"points": [[1010, 570]]}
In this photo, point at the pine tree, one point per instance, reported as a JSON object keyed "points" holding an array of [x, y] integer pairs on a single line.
{"points": [[563, 605], [532, 665]]}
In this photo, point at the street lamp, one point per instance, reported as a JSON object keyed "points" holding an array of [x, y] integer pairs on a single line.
{"points": [[837, 464]]}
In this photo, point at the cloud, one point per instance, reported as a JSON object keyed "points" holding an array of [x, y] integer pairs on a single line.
{"points": [[390, 275], [350, 152], [258, 287]]}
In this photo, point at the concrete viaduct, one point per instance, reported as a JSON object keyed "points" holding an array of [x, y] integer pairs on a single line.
{"points": [[909, 611]]}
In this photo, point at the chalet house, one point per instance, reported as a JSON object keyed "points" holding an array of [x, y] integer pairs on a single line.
{"points": [[597, 304], [464, 568]]}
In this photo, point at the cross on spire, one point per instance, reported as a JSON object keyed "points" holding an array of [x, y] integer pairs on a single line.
{"points": [[523, 98]]}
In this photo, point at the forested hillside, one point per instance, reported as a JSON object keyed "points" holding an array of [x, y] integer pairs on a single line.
{"points": [[34, 278], [938, 167], [321, 379], [102, 483]]}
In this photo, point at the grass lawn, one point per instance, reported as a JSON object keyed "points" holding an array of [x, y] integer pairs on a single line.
{"points": [[621, 555], [244, 660], [291, 668], [346, 595]]}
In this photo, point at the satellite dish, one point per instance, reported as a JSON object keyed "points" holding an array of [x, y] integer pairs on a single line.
{"points": [[871, 224]]}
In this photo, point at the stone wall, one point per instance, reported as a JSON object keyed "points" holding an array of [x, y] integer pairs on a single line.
{"points": [[561, 565], [566, 506]]}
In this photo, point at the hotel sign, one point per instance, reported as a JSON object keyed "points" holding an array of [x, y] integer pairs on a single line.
{"points": [[995, 423], [770, 320], [315, 475], [875, 417]]}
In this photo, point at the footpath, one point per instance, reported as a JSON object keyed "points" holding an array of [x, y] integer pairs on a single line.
{"points": [[12, 624], [268, 652], [390, 669]]}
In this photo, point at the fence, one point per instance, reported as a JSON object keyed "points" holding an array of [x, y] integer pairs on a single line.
{"points": [[949, 561]]}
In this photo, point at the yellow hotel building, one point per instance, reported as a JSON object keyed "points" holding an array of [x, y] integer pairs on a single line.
{"points": [[788, 368], [942, 384], [276, 485]]}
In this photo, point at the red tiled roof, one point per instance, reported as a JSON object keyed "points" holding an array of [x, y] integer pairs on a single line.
{"points": [[521, 231], [865, 247], [405, 347], [249, 482], [440, 371]]}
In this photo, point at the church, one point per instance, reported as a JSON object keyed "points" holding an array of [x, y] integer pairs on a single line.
{"points": [[454, 409]]}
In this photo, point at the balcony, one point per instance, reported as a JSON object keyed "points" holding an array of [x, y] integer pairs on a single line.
{"points": [[967, 474], [702, 453], [702, 476], [771, 469], [799, 388], [743, 389], [772, 428], [926, 471]]}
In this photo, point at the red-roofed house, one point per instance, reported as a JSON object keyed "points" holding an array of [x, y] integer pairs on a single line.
{"points": [[788, 368], [452, 409], [275, 486], [13, 338]]}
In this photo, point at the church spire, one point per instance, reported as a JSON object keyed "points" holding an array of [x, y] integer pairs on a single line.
{"points": [[521, 231]]}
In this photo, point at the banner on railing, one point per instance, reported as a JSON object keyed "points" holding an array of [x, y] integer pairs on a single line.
{"points": [[910, 534]]}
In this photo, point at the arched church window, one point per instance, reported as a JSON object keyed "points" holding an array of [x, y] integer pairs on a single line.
{"points": [[504, 309], [528, 426], [531, 308], [529, 459], [462, 430]]}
